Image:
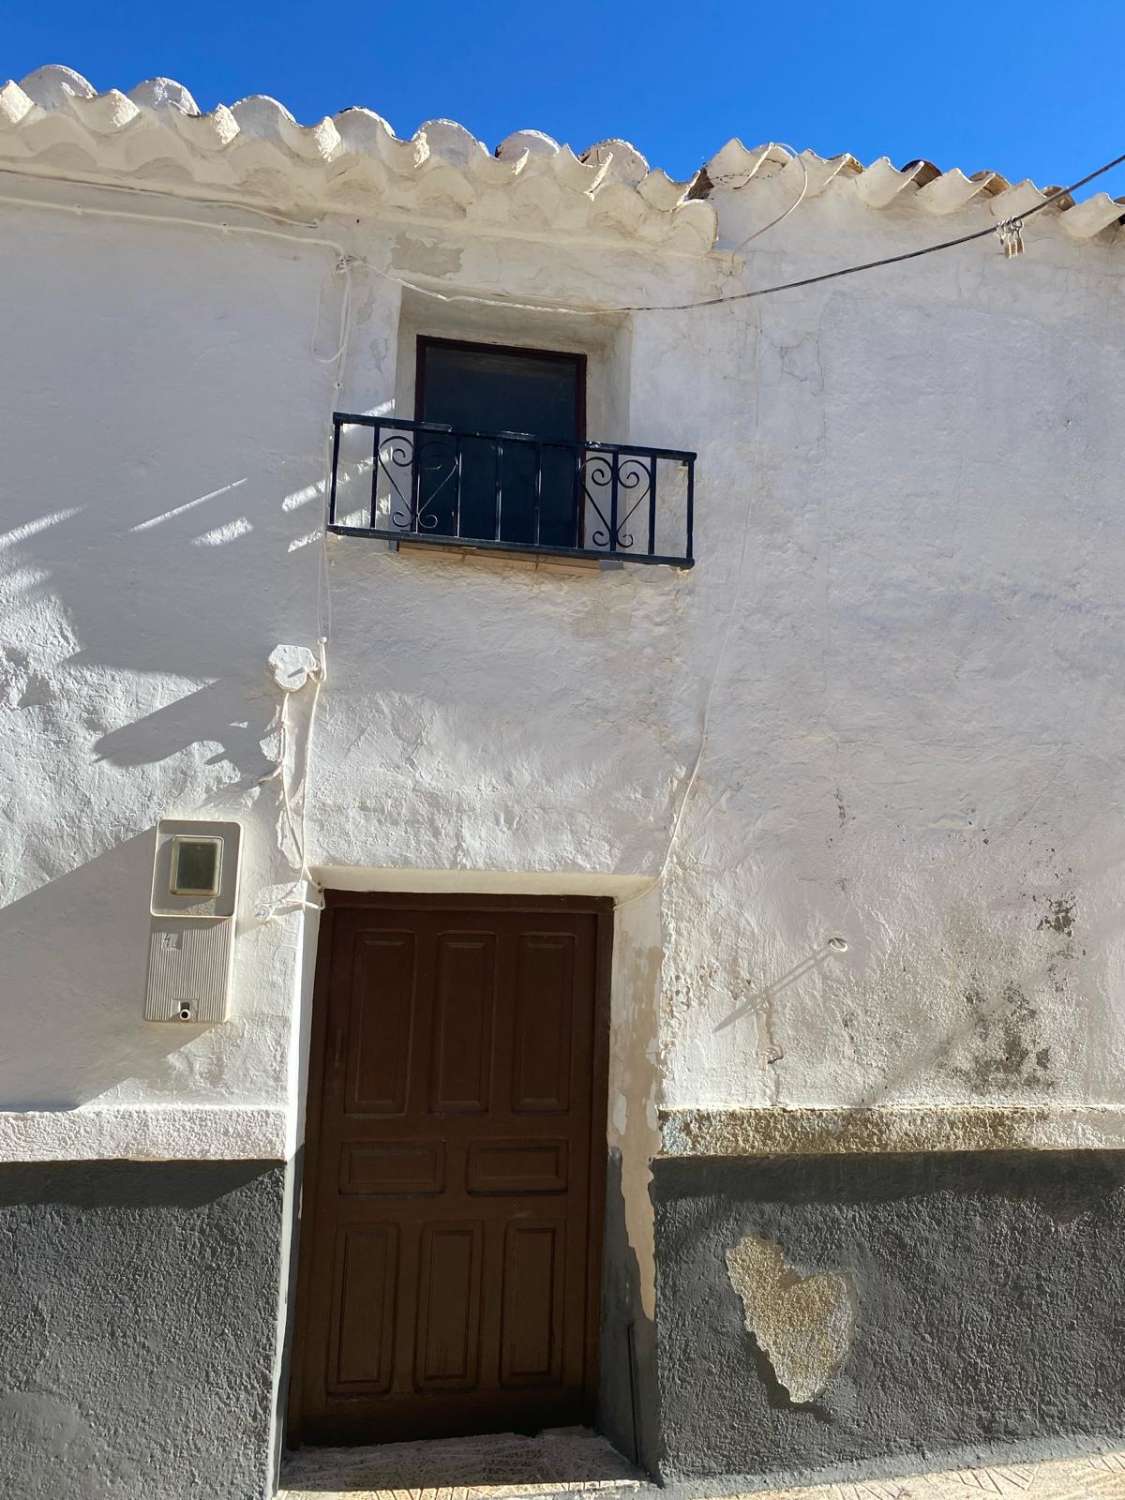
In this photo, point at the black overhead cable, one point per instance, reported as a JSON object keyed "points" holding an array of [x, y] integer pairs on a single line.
{"points": [[1010, 226]]}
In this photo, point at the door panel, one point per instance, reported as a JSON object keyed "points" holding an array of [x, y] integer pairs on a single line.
{"points": [[463, 1006], [544, 984], [447, 1351], [516, 1167], [364, 1304], [451, 1212], [533, 1255], [394, 1168], [379, 1041]]}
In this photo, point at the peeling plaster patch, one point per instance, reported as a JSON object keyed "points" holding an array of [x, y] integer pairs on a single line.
{"points": [[1003, 1025], [425, 257], [1060, 916], [634, 1126], [804, 1325]]}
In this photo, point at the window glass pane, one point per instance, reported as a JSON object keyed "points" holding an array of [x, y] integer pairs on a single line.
{"points": [[481, 390]]}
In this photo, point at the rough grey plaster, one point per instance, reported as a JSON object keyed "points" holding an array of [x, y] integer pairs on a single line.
{"points": [[627, 1394], [287, 1326], [138, 1329], [989, 1302]]}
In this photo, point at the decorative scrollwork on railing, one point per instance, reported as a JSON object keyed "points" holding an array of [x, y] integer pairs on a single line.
{"points": [[427, 517], [397, 450], [599, 471], [408, 453], [516, 491], [633, 476]]}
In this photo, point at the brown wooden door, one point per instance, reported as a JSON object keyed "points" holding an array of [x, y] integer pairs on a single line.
{"points": [[451, 1214]]}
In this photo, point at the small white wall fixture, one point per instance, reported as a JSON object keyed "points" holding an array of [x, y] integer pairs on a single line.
{"points": [[191, 935]]}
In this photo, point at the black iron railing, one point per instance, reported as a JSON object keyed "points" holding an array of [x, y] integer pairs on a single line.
{"points": [[423, 482]]}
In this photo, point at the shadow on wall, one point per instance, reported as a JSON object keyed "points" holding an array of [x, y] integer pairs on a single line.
{"points": [[627, 1396], [84, 940], [111, 628], [218, 714], [181, 590], [992, 1046]]}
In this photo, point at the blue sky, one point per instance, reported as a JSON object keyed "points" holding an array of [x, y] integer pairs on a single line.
{"points": [[1029, 89]]}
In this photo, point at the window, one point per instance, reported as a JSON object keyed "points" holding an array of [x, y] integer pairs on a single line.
{"points": [[492, 389], [494, 454]]}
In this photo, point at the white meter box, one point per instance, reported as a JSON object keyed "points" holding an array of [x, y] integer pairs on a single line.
{"points": [[191, 936]]}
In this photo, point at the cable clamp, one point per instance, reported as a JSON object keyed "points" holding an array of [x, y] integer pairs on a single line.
{"points": [[1010, 234]]}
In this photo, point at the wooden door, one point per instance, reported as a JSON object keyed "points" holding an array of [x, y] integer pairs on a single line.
{"points": [[452, 1204]]}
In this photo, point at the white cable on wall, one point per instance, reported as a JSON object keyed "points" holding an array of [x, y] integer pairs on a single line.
{"points": [[1009, 232], [293, 676], [800, 198]]}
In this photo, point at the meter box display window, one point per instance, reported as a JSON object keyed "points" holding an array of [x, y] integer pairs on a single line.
{"points": [[191, 934], [196, 865]]}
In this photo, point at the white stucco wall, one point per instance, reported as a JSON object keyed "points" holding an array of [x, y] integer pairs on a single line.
{"points": [[914, 727], [884, 706], [164, 420]]}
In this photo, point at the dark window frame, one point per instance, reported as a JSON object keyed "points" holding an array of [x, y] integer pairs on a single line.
{"points": [[472, 346]]}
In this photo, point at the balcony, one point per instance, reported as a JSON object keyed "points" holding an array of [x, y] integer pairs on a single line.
{"points": [[510, 492]]}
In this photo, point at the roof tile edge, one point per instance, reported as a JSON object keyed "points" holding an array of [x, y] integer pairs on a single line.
{"points": [[54, 123]]}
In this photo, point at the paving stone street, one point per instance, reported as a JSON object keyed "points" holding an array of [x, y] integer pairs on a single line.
{"points": [[569, 1463]]}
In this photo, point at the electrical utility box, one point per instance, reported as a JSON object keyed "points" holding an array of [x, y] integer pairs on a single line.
{"points": [[191, 935]]}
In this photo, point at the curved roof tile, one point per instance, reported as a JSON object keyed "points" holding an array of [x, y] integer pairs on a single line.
{"points": [[919, 182], [54, 123]]}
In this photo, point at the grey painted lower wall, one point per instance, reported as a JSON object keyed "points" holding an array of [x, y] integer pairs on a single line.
{"points": [[825, 1315], [138, 1329]]}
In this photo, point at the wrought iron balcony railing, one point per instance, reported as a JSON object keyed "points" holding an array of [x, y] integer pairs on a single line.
{"points": [[423, 482]]}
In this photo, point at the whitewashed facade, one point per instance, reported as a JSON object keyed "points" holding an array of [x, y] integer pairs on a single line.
{"points": [[882, 708]]}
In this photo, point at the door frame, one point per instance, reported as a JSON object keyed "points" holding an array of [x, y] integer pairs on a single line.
{"points": [[602, 909]]}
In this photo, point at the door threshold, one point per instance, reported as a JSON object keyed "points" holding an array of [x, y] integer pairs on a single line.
{"points": [[556, 1462]]}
